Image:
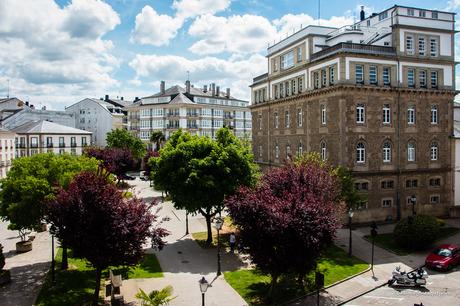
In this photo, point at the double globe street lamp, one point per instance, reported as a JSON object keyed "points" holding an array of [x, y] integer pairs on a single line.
{"points": [[218, 223], [350, 216]]}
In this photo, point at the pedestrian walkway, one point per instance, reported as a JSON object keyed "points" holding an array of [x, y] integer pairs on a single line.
{"points": [[184, 262], [28, 270]]}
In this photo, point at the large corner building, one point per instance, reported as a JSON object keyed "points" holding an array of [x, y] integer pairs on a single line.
{"points": [[377, 97]]}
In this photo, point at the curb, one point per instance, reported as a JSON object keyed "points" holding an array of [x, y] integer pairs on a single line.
{"points": [[327, 287]]}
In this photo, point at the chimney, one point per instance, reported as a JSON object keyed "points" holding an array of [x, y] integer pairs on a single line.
{"points": [[27, 103], [32, 106], [106, 97], [187, 86], [228, 93], [121, 98], [217, 91], [44, 108], [162, 87], [136, 99], [213, 89], [362, 15], [205, 88]]}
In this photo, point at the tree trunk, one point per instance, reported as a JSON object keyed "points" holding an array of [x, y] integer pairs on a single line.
{"points": [[65, 262], [208, 227], [272, 286], [98, 287]]}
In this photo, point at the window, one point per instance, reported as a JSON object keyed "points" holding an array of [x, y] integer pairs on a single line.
{"points": [[360, 153], [383, 15], [411, 152], [323, 78], [434, 79], [275, 65], [411, 183], [61, 142], [422, 78], [288, 88], [386, 114], [387, 184], [359, 74], [277, 151], [83, 142], [433, 47], [435, 182], [299, 54], [410, 45], [410, 12], [316, 80], [434, 15], [410, 77], [361, 205], [373, 75], [276, 92], [73, 151], [33, 142], [421, 46], [434, 114], [277, 120], [387, 202], [386, 152], [300, 150], [331, 75], [323, 114], [422, 13], [49, 142], [299, 117], [287, 119], [368, 22], [287, 60], [435, 199], [434, 151], [61, 151], [323, 150], [288, 152], [411, 115], [73, 141], [260, 121], [293, 86], [360, 115], [386, 76], [281, 90], [300, 82], [361, 186]]}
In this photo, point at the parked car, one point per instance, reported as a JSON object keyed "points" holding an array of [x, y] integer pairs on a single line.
{"points": [[144, 176], [445, 257], [126, 177]]}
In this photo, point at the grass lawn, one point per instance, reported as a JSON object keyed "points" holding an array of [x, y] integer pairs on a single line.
{"points": [[253, 286], [387, 242], [200, 238], [75, 286]]}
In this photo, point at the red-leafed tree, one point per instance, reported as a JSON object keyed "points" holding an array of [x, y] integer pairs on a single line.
{"points": [[288, 219], [115, 160], [101, 225]]}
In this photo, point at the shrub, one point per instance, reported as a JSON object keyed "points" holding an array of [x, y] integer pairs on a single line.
{"points": [[417, 232], [441, 222]]}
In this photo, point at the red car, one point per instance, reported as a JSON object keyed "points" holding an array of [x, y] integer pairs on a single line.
{"points": [[445, 257]]}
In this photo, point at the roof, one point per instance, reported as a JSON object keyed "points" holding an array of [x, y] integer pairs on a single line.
{"points": [[194, 91], [46, 127], [181, 99], [5, 131]]}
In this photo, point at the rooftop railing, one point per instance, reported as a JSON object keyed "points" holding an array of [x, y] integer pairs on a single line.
{"points": [[353, 48]]}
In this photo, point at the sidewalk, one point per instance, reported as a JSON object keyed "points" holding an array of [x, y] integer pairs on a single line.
{"points": [[184, 262]]}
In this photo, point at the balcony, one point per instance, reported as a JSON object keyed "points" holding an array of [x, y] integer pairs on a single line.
{"points": [[172, 126], [192, 114], [34, 145], [49, 145], [172, 115], [192, 126], [73, 144], [353, 48], [61, 145]]}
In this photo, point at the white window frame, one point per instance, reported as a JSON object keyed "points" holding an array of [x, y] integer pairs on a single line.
{"points": [[331, 75], [386, 152], [323, 114], [387, 202], [323, 148], [287, 60], [422, 13], [434, 151], [360, 113], [411, 77], [277, 120], [434, 114], [287, 118], [299, 117], [300, 149], [288, 151], [386, 114], [277, 151], [373, 80], [435, 196], [434, 79], [411, 115], [386, 76], [421, 46], [299, 54], [300, 82], [411, 153], [422, 78], [410, 12], [410, 45], [433, 47], [360, 153], [359, 74]]}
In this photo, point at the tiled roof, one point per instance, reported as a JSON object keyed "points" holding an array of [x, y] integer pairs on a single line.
{"points": [[46, 127]]}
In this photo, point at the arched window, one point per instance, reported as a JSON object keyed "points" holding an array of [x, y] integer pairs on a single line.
{"points": [[288, 152], [277, 151], [360, 153], [411, 151], [434, 151], [300, 149], [386, 152], [323, 151]]}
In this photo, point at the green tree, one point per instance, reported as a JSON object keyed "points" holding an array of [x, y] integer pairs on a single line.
{"points": [[121, 138], [198, 172], [156, 297], [33, 180], [157, 137]]}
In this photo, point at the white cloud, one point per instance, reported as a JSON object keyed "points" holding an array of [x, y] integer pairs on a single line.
{"points": [[155, 29], [289, 23], [453, 5], [193, 8], [50, 51], [236, 72]]}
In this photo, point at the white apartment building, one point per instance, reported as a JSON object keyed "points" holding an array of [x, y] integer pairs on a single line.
{"points": [[99, 117], [12, 118], [200, 111], [7, 151], [44, 136]]}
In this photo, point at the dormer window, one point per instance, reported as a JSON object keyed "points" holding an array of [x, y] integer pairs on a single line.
{"points": [[422, 14], [287, 60], [434, 15], [383, 15], [410, 12]]}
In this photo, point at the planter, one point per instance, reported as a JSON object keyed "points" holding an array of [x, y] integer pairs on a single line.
{"points": [[23, 246], [5, 277]]}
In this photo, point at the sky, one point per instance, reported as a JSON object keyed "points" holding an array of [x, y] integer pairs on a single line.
{"points": [[54, 53]]}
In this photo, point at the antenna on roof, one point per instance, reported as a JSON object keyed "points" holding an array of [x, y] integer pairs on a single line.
{"points": [[319, 12], [188, 75], [8, 94]]}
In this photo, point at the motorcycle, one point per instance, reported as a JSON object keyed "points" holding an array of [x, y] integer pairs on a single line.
{"points": [[415, 278]]}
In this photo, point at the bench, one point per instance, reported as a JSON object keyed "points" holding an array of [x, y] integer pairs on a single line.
{"points": [[115, 283]]}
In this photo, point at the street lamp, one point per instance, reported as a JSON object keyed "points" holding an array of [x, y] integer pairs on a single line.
{"points": [[373, 235], [203, 287], [350, 216], [218, 222], [413, 200], [186, 223]]}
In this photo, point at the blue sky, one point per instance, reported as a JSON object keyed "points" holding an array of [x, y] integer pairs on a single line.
{"points": [[56, 52]]}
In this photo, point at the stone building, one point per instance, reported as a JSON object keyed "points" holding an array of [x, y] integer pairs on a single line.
{"points": [[376, 97], [200, 111]]}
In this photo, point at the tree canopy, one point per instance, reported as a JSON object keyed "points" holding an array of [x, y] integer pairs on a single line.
{"points": [[115, 160], [288, 219], [31, 181], [199, 172], [121, 138], [101, 225], [157, 137]]}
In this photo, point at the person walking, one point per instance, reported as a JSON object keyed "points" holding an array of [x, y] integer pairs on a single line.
{"points": [[232, 242]]}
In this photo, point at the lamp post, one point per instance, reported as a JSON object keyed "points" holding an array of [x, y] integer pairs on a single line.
{"points": [[186, 223], [350, 216], [413, 200], [218, 222], [373, 235], [52, 259], [203, 287]]}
